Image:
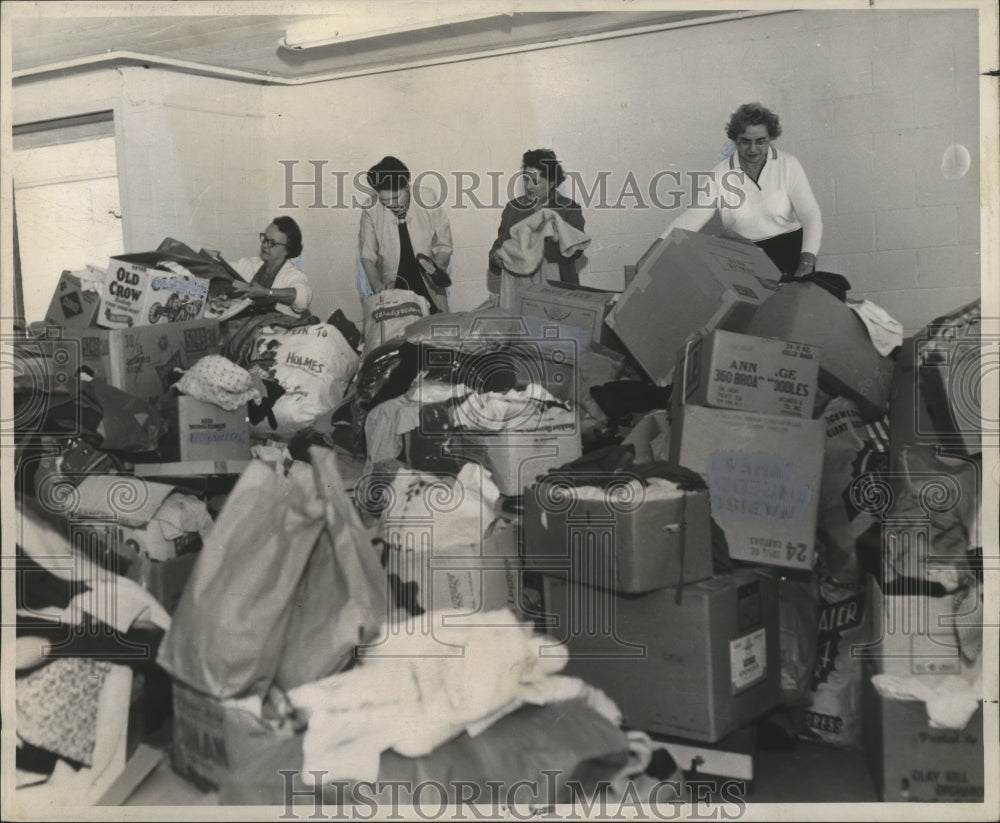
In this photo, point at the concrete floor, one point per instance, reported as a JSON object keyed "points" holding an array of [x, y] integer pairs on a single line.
{"points": [[812, 774]]}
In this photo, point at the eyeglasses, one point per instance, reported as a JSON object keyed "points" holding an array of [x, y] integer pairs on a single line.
{"points": [[268, 243]]}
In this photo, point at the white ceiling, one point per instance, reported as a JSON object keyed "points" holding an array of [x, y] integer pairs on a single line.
{"points": [[249, 43]]}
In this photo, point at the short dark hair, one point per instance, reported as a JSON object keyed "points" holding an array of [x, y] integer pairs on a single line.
{"points": [[291, 230], [753, 114], [389, 174], [545, 160]]}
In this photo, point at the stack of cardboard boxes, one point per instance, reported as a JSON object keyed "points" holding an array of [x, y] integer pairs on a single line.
{"points": [[686, 652], [126, 335]]}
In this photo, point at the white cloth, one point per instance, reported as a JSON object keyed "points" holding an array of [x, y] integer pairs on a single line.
{"points": [[288, 277], [886, 332], [951, 700], [781, 201], [417, 689], [530, 409], [114, 600]]}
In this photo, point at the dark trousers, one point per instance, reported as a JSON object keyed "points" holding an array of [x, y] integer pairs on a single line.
{"points": [[784, 251]]}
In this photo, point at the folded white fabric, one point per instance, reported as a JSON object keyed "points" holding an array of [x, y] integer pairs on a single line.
{"points": [[421, 687]]}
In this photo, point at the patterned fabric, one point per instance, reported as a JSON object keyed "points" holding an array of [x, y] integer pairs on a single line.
{"points": [[215, 379], [57, 706]]}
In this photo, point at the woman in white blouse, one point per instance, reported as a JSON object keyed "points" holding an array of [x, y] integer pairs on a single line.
{"points": [[272, 279], [762, 195]]}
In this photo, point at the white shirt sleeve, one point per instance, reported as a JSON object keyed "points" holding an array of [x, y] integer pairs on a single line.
{"points": [[698, 212], [806, 208]]}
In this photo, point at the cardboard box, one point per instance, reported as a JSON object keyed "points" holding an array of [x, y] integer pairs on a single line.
{"points": [[690, 283], [140, 291], [214, 738], [849, 365], [910, 761], [726, 370], [763, 473], [617, 540], [140, 360], [205, 431], [568, 305], [72, 306], [200, 469], [700, 668], [915, 633], [472, 579]]}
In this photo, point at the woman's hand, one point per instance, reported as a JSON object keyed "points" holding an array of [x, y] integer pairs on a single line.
{"points": [[807, 264]]}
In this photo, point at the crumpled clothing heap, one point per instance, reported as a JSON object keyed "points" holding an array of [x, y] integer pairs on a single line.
{"points": [[951, 700], [105, 596], [418, 689], [524, 251], [530, 409], [386, 423], [179, 515], [215, 379]]}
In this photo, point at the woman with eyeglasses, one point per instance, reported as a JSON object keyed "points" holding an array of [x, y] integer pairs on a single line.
{"points": [[761, 194], [271, 277], [541, 174]]}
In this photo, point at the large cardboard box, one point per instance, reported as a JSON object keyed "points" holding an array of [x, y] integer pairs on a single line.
{"points": [[690, 283], [140, 291], [568, 305], [140, 360], [763, 473], [910, 761], [205, 431], [699, 663], [849, 364], [726, 370], [215, 738], [625, 538], [915, 633], [516, 459], [471, 579], [72, 306]]}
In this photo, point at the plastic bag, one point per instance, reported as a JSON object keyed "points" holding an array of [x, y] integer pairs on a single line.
{"points": [[844, 622], [313, 364], [266, 580]]}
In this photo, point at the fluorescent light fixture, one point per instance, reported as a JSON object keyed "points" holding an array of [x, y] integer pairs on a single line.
{"points": [[311, 34]]}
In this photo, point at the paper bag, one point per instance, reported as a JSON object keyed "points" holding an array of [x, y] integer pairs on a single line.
{"points": [[265, 580]]}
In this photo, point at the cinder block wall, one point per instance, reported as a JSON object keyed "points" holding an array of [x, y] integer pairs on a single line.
{"points": [[869, 101]]}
